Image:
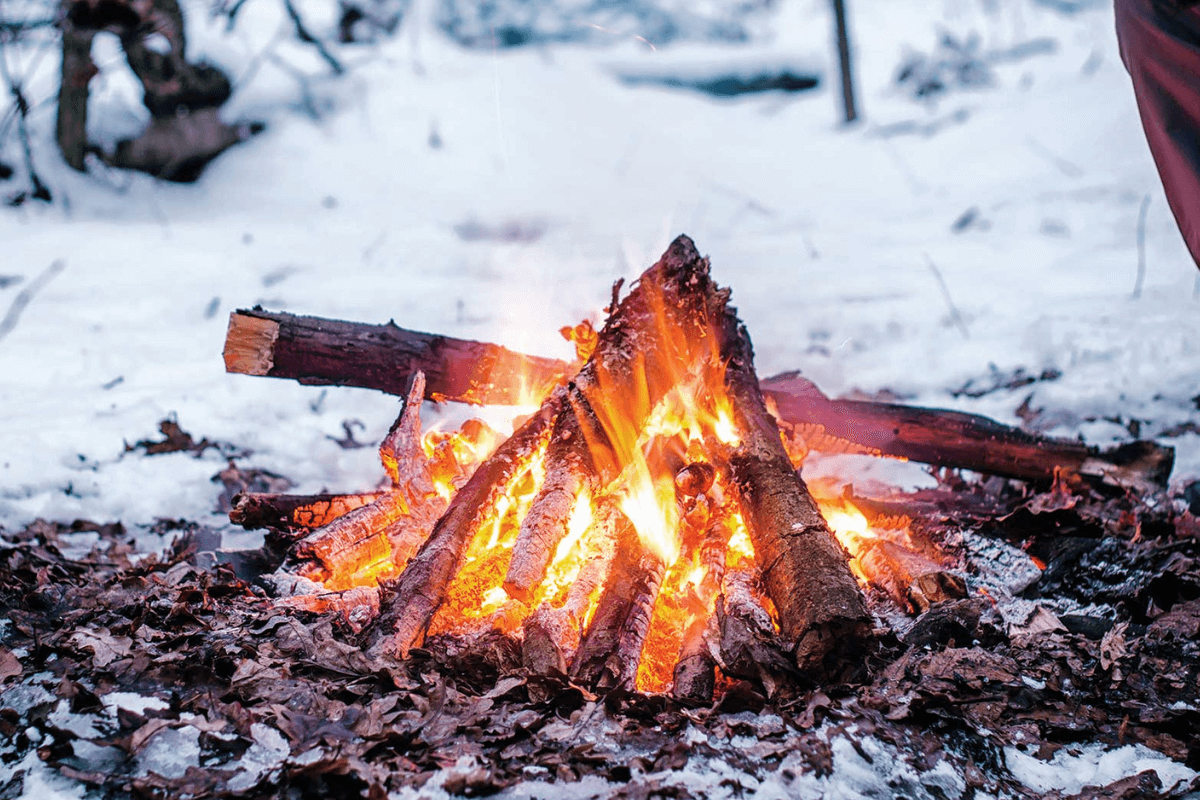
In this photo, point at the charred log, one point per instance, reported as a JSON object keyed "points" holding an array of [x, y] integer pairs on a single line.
{"points": [[568, 470], [294, 513], [552, 635], [612, 647], [376, 539]]}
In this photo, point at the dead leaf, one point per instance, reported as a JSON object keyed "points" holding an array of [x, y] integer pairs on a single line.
{"points": [[1113, 647], [10, 665], [105, 647], [145, 733]]}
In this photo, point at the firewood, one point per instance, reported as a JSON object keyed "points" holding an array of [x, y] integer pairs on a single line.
{"points": [[695, 672], [552, 635], [821, 609], [968, 441], [322, 352], [379, 537], [416, 595], [631, 368], [694, 677], [747, 646], [294, 512], [611, 648], [319, 351], [568, 471]]}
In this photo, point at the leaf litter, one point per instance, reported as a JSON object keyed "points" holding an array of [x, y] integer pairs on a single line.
{"points": [[164, 675]]}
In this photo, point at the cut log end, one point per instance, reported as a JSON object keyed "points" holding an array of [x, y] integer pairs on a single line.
{"points": [[250, 344]]}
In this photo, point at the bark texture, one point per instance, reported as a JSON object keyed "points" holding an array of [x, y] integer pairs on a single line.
{"points": [[324, 352], [821, 609]]}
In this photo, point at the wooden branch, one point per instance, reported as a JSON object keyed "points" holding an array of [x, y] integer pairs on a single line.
{"points": [[747, 644], [322, 352], [552, 635], [967, 441], [694, 677], [383, 357], [821, 610], [420, 589]]}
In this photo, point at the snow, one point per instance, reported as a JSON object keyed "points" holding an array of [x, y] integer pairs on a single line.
{"points": [[1071, 770], [837, 242], [826, 235]]}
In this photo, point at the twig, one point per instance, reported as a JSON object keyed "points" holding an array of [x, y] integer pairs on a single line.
{"points": [[955, 317], [21, 113], [1064, 166], [1141, 248], [303, 35], [26, 295]]}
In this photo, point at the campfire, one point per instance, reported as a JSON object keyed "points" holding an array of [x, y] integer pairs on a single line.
{"points": [[635, 589], [646, 527]]}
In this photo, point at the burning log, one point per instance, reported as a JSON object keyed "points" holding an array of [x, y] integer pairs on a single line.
{"points": [[377, 538], [694, 676], [821, 608], [323, 352], [318, 351], [551, 635], [610, 651], [569, 471], [632, 367], [421, 588], [747, 646], [294, 512]]}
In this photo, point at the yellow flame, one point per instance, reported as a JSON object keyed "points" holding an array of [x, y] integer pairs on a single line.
{"points": [[650, 506]]}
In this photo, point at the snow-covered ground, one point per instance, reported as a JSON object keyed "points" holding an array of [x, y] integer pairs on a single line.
{"points": [[827, 235], [840, 243]]}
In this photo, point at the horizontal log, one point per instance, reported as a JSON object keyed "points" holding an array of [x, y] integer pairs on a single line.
{"points": [[967, 441], [296, 512], [327, 352], [383, 357]]}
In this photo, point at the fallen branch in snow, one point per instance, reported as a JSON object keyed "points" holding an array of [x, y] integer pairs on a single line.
{"points": [[24, 297]]}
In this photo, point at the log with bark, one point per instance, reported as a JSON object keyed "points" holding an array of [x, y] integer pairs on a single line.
{"points": [[323, 352], [820, 606], [967, 441], [318, 351], [611, 648]]}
